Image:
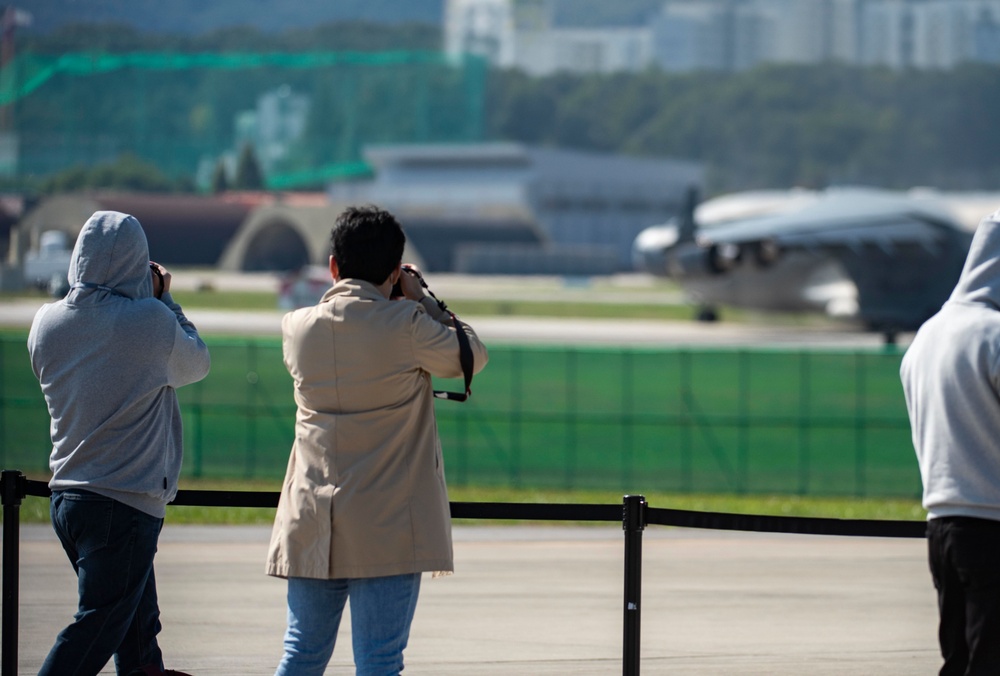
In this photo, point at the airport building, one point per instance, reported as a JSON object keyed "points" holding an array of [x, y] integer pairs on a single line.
{"points": [[510, 208], [191, 230], [491, 208]]}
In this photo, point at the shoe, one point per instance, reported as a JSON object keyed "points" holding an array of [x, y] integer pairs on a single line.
{"points": [[153, 670]]}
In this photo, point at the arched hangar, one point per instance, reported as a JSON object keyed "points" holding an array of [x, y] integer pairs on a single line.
{"points": [[185, 230], [285, 237], [281, 237]]}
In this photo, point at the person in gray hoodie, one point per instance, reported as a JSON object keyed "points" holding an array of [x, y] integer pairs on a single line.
{"points": [[109, 357], [951, 381]]}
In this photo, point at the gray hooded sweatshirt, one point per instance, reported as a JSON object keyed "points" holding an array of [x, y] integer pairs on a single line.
{"points": [[951, 379], [108, 357]]}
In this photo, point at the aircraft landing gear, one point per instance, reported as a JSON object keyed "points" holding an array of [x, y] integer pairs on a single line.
{"points": [[707, 313]]}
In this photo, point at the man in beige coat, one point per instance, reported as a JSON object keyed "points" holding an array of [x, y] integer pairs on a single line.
{"points": [[364, 506]]}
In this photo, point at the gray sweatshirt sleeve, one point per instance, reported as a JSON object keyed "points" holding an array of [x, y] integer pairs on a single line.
{"points": [[189, 359]]}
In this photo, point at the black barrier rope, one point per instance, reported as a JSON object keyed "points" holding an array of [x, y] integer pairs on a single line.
{"points": [[583, 512], [800, 525], [634, 515]]}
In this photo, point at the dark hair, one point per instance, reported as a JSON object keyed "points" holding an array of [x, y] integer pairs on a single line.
{"points": [[367, 243]]}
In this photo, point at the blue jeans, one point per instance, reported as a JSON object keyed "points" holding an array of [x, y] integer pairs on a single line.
{"points": [[381, 613], [111, 547]]}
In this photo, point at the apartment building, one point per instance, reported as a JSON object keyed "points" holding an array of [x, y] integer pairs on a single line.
{"points": [[730, 35]]}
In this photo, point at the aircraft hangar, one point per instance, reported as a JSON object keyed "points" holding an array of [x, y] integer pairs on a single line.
{"points": [[475, 208], [187, 230]]}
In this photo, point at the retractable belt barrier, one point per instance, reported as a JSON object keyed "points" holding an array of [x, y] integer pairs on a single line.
{"points": [[516, 511], [634, 514]]}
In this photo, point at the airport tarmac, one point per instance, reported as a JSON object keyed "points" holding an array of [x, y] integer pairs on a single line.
{"points": [[618, 289], [547, 600]]}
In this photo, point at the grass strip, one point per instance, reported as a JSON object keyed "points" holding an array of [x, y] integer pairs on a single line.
{"points": [[565, 307]]}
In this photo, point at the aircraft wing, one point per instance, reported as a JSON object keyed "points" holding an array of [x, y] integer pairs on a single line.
{"points": [[840, 222], [904, 256]]}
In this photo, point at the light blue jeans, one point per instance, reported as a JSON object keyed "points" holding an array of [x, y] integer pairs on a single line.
{"points": [[381, 613]]}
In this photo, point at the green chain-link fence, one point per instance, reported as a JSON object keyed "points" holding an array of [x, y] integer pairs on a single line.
{"points": [[175, 110], [691, 420]]}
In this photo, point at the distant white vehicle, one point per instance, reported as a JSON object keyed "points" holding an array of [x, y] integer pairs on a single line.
{"points": [[48, 268], [304, 287]]}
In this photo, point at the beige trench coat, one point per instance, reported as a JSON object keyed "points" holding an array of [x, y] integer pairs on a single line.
{"points": [[364, 494]]}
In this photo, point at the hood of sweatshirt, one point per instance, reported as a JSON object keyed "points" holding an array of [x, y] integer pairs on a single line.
{"points": [[980, 278], [111, 256]]}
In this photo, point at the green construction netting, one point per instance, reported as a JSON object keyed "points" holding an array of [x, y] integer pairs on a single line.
{"points": [[179, 111]]}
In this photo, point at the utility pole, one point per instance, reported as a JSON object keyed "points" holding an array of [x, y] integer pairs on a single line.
{"points": [[9, 21]]}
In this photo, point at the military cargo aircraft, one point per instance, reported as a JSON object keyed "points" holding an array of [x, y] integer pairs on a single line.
{"points": [[887, 260]]}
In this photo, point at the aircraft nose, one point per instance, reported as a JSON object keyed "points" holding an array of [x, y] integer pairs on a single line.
{"points": [[652, 246]]}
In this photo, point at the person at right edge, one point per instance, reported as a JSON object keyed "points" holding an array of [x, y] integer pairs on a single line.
{"points": [[364, 506], [951, 380]]}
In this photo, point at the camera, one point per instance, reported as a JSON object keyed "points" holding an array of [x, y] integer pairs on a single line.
{"points": [[397, 288], [158, 284]]}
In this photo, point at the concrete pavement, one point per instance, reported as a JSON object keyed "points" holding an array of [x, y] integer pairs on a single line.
{"points": [[548, 600]]}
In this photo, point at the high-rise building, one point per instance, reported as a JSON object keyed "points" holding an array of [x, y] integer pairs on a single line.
{"points": [[731, 35], [694, 36]]}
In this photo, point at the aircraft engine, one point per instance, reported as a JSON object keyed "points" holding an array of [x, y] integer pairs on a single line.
{"points": [[724, 257], [691, 260], [766, 253]]}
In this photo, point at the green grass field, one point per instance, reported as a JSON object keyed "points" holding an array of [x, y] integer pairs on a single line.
{"points": [[674, 421], [566, 306]]}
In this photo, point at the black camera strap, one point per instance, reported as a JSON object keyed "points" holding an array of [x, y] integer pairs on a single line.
{"points": [[465, 357]]}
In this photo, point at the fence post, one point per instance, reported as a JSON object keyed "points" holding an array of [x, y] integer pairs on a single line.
{"points": [[12, 490], [633, 521]]}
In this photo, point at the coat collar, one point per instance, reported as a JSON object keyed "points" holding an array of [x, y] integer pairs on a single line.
{"points": [[355, 288]]}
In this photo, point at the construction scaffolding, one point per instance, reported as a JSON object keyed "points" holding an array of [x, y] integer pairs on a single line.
{"points": [[307, 114]]}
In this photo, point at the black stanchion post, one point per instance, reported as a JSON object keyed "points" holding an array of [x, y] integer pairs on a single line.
{"points": [[633, 521], [12, 489]]}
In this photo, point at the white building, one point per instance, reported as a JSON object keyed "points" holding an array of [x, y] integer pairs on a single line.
{"points": [[947, 33], [280, 120], [582, 50], [481, 27], [695, 36], [521, 34], [731, 35]]}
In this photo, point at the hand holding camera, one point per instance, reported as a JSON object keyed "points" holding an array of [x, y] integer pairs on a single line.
{"points": [[410, 284], [161, 279]]}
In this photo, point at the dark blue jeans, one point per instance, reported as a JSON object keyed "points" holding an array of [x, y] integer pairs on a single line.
{"points": [[111, 547], [965, 564]]}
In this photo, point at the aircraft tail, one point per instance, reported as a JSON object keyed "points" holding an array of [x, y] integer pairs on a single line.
{"points": [[687, 227]]}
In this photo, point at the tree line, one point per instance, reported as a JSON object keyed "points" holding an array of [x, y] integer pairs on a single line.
{"points": [[776, 126]]}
